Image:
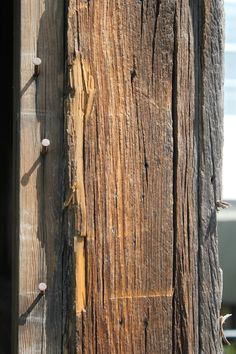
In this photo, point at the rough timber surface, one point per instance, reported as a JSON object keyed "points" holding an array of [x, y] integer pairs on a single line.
{"points": [[40, 209], [150, 117], [137, 221], [197, 131], [128, 173]]}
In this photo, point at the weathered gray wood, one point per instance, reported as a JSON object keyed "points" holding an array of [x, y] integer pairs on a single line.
{"points": [[185, 174], [198, 132], [209, 169], [41, 177]]}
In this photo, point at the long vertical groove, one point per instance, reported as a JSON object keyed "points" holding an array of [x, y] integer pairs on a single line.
{"points": [[175, 163], [15, 173], [195, 8], [198, 115], [155, 32]]}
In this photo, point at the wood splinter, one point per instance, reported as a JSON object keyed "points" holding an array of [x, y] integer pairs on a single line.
{"points": [[220, 204], [70, 195], [222, 321]]}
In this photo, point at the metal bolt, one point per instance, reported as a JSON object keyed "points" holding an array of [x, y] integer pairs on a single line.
{"points": [[42, 287], [45, 144], [37, 62]]}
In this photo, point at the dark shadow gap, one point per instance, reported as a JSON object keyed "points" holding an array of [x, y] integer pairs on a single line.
{"points": [[6, 172]]}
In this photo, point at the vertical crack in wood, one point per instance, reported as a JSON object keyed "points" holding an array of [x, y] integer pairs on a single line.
{"points": [[175, 164], [196, 12], [154, 34]]}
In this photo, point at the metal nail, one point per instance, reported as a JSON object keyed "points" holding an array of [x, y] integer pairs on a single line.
{"points": [[45, 144], [37, 62], [42, 287]]}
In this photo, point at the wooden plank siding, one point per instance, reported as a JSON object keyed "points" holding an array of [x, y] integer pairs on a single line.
{"points": [[41, 177]]}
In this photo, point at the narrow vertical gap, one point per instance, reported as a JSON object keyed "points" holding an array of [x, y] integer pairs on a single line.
{"points": [[6, 176], [155, 34], [15, 40], [175, 165], [198, 17]]}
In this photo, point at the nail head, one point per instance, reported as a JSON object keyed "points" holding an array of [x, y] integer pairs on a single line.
{"points": [[42, 287], [37, 61], [45, 142]]}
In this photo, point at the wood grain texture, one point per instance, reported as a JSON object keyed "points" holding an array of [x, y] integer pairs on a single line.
{"points": [[41, 177], [128, 173], [125, 240], [197, 112], [210, 160], [185, 173], [151, 174]]}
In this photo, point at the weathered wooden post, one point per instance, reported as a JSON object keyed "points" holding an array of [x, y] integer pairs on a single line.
{"points": [[119, 218]]}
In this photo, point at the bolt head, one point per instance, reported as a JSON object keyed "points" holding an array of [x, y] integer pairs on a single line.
{"points": [[37, 61], [42, 287], [45, 142]]}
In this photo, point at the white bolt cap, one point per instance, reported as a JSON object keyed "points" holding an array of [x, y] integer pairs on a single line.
{"points": [[42, 287], [45, 142], [37, 61]]}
